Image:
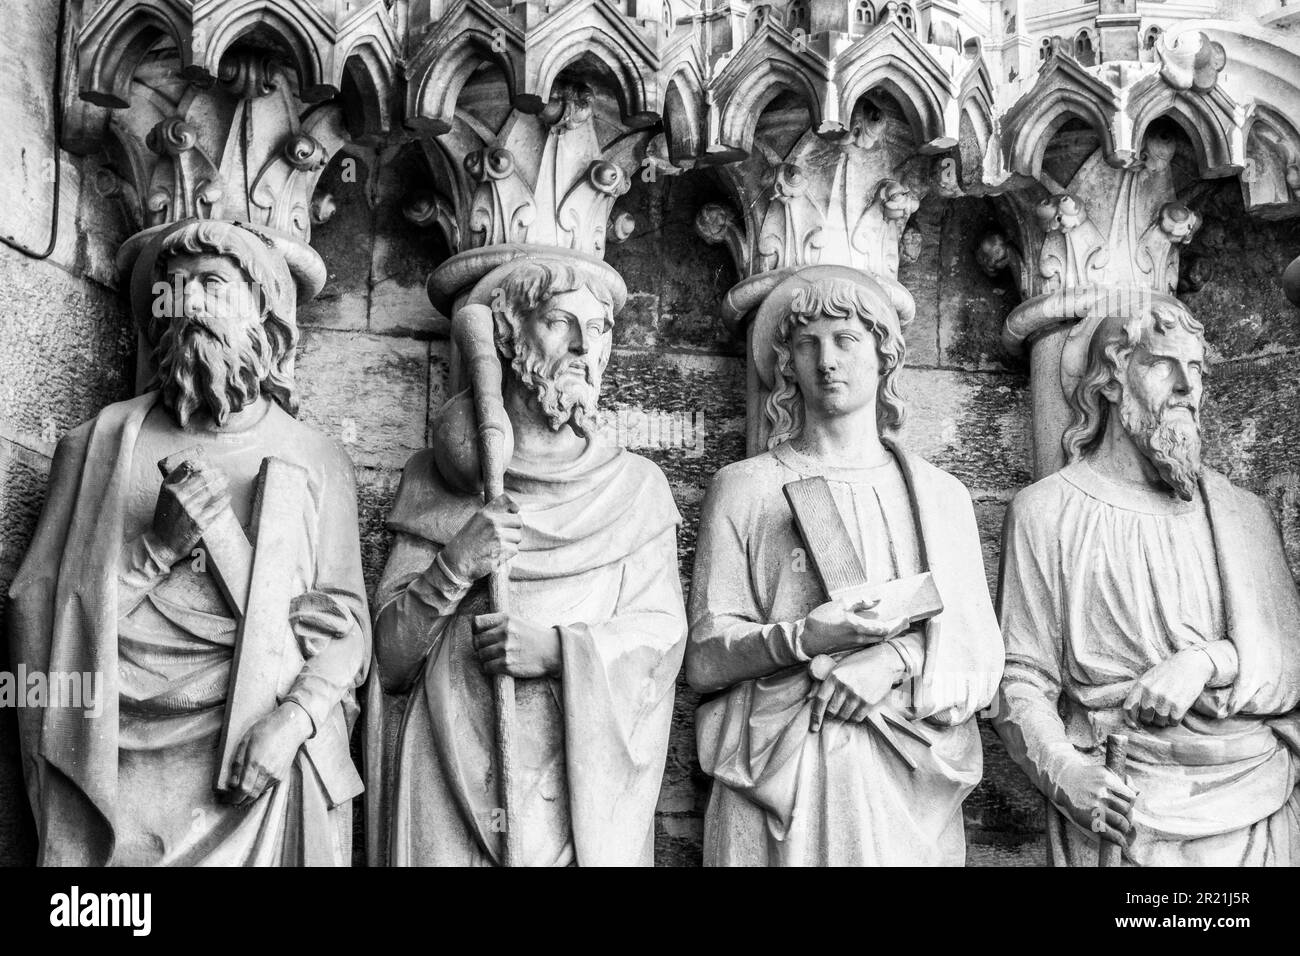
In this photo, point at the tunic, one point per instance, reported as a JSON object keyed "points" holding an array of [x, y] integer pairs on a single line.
{"points": [[1101, 581], [783, 796]]}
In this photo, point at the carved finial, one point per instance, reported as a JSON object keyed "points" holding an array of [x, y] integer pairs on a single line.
{"points": [[1061, 213], [620, 227], [1178, 222], [1191, 62]]}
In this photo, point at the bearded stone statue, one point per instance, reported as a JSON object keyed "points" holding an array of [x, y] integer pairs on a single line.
{"points": [[1143, 594], [596, 631], [124, 579]]}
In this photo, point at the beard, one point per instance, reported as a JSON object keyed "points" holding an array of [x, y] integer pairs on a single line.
{"points": [[1171, 443], [564, 401], [202, 367]]}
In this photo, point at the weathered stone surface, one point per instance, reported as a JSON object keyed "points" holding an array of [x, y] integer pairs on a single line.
{"points": [[1240, 259], [368, 391], [972, 307], [675, 281], [68, 349], [921, 278], [974, 425]]}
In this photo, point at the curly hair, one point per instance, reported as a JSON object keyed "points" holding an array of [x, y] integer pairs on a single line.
{"points": [[1109, 351], [835, 299], [271, 281], [529, 287]]}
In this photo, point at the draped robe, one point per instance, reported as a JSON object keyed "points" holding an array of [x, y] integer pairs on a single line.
{"points": [[1101, 581], [134, 785], [599, 561], [783, 795]]}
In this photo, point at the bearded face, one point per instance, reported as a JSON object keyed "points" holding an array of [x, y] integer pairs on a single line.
{"points": [[1160, 405], [214, 354], [560, 352]]}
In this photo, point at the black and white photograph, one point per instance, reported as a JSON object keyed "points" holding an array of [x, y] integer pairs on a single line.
{"points": [[692, 434]]}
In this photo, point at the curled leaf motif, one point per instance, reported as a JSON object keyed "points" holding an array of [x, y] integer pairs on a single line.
{"points": [[1061, 213], [209, 193], [493, 163], [896, 200], [172, 137], [791, 183], [304, 153], [159, 201], [1178, 222], [607, 178], [713, 222], [620, 227], [248, 75], [1293, 176]]}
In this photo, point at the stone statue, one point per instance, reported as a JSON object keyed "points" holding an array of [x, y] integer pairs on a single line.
{"points": [[596, 631], [1142, 594], [138, 579], [878, 778]]}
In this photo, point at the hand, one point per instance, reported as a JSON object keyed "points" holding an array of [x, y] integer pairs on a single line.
{"points": [[1161, 696], [833, 626], [506, 644], [188, 502], [857, 684], [489, 538], [1097, 800], [265, 754]]}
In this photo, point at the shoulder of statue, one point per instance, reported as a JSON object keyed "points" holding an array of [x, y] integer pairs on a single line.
{"points": [[1218, 487], [1039, 503], [649, 483]]}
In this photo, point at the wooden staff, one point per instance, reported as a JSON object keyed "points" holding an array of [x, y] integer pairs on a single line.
{"points": [[1108, 853], [473, 334]]}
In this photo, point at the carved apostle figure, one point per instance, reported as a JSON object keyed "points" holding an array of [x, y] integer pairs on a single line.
{"points": [[864, 760], [596, 627], [130, 577], [1143, 594]]}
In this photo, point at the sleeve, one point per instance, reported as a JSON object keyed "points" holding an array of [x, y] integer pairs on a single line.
{"points": [[415, 603], [332, 622], [729, 641], [1026, 716], [617, 681], [142, 566]]}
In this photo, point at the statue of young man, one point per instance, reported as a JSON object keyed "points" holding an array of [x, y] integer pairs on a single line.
{"points": [[595, 634], [828, 342], [119, 582], [1143, 594]]}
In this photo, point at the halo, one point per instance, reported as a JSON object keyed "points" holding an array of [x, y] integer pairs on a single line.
{"points": [[472, 269], [138, 257], [777, 303]]}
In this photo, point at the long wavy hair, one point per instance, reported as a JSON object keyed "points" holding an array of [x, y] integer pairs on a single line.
{"points": [[1109, 352], [272, 284], [835, 299]]}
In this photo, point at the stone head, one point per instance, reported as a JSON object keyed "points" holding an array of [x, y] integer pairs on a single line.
{"points": [[222, 327], [838, 348], [1145, 370], [554, 323]]}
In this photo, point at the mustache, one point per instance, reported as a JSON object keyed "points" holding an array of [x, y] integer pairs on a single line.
{"points": [[561, 401]]}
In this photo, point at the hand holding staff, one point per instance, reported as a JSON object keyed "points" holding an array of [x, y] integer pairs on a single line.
{"points": [[1108, 853], [472, 331]]}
